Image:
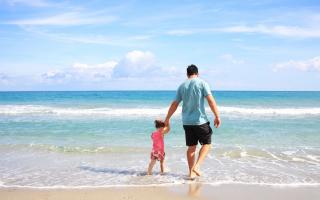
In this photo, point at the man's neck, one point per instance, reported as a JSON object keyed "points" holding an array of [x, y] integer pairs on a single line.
{"points": [[193, 76]]}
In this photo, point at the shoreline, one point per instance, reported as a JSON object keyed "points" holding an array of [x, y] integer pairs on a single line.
{"points": [[217, 184], [195, 190]]}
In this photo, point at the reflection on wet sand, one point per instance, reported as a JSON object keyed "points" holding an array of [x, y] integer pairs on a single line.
{"points": [[194, 189]]}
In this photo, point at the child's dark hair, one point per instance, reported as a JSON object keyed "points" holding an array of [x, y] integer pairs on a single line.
{"points": [[159, 124]]}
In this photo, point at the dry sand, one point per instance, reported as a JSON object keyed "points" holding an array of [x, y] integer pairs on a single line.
{"points": [[176, 192]]}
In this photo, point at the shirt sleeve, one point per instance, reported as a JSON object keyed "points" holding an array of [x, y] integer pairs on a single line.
{"points": [[206, 89], [178, 95]]}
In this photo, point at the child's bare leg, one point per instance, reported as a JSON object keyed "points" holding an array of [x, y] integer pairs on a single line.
{"points": [[151, 164], [162, 166]]}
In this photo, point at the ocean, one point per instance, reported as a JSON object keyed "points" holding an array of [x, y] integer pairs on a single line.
{"points": [[102, 138]]}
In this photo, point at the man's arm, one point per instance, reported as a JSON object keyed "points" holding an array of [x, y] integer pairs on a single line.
{"points": [[173, 107], [213, 106]]}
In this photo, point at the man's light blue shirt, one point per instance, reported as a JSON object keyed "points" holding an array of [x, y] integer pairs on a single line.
{"points": [[192, 93]]}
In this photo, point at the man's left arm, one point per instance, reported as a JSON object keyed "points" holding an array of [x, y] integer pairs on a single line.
{"points": [[214, 108], [173, 107]]}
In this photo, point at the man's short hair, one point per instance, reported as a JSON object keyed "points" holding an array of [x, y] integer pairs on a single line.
{"points": [[192, 70]]}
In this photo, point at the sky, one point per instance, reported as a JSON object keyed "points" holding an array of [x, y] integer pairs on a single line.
{"points": [[147, 45]]}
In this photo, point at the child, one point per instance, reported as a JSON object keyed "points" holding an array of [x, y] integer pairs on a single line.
{"points": [[158, 145]]}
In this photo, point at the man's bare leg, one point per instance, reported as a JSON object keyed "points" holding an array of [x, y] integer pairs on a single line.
{"points": [[151, 164], [202, 155], [191, 155]]}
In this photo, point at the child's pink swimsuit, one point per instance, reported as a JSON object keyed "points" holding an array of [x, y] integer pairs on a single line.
{"points": [[158, 146]]}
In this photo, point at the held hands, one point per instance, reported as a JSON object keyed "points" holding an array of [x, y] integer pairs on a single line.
{"points": [[217, 122]]}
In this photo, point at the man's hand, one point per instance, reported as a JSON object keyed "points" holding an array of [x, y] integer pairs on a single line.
{"points": [[217, 122], [214, 109]]}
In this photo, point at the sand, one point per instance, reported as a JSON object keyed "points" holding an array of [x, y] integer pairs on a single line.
{"points": [[177, 192]]}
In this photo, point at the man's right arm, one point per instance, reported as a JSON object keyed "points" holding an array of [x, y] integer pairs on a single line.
{"points": [[213, 106], [173, 107]]}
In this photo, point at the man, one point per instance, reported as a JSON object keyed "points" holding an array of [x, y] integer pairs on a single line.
{"points": [[197, 128]]}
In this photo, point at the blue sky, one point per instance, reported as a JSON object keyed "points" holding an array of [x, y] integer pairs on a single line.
{"points": [[146, 45]]}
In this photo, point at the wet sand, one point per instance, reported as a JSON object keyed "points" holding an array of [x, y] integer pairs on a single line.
{"points": [[177, 192]]}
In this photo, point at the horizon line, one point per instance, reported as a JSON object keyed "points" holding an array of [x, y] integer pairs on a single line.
{"points": [[138, 90]]}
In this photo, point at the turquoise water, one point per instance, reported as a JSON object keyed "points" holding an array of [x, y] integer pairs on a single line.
{"points": [[98, 138]]}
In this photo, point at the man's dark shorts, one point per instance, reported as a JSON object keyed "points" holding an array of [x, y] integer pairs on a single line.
{"points": [[195, 133]]}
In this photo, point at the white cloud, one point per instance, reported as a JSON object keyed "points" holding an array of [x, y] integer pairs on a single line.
{"points": [[182, 32], [135, 58], [3, 76], [134, 40], [100, 39], [135, 63], [231, 58], [276, 30], [168, 15], [4, 79], [95, 71], [303, 65], [32, 3], [109, 65], [289, 31], [64, 19], [54, 76]]}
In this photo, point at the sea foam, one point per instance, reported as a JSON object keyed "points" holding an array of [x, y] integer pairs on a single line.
{"points": [[148, 111]]}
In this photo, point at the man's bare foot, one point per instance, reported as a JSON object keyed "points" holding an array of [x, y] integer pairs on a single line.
{"points": [[192, 175], [196, 171]]}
